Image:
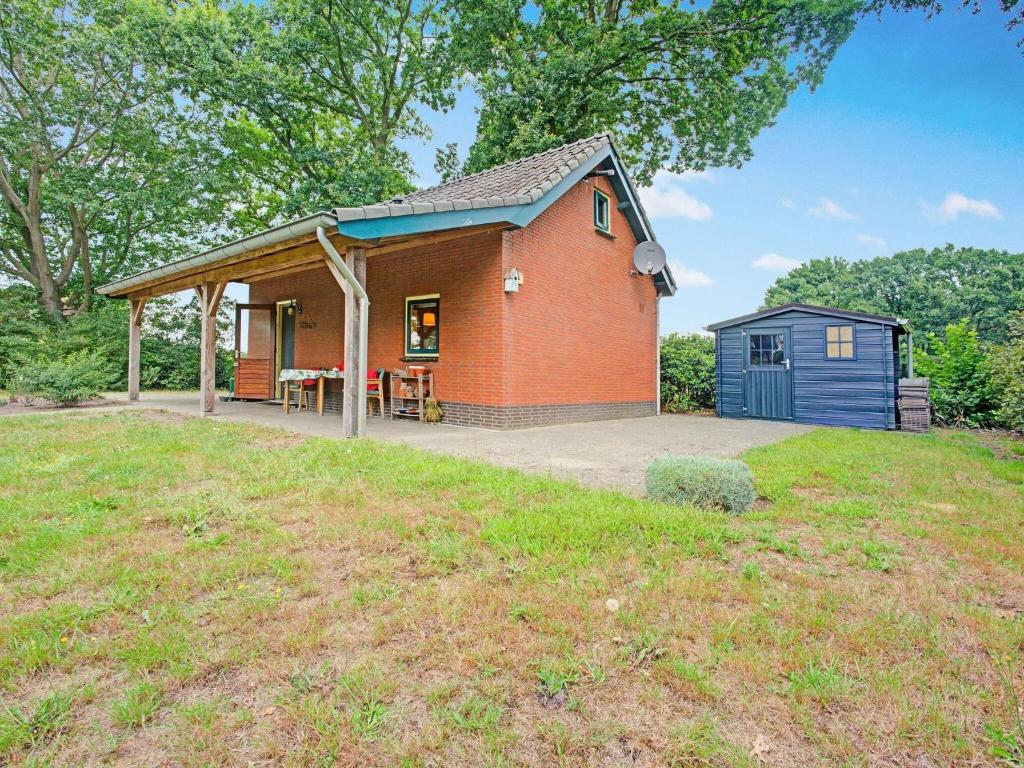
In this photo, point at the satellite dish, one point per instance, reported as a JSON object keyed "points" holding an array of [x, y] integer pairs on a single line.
{"points": [[648, 258]]}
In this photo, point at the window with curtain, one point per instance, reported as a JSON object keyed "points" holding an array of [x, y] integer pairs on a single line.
{"points": [[422, 322]]}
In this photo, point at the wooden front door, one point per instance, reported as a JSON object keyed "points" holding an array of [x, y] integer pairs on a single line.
{"points": [[768, 373], [255, 331]]}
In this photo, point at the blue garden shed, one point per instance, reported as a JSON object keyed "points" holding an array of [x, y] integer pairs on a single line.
{"points": [[812, 365]]}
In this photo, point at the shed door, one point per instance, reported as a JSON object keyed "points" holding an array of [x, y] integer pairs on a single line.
{"points": [[767, 373]]}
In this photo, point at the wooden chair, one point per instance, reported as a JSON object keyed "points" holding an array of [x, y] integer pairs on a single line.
{"points": [[375, 391], [304, 392]]}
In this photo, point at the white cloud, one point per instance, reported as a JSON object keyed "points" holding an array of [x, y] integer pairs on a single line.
{"points": [[829, 209], [875, 242], [787, 202], [775, 262], [955, 203], [689, 278], [666, 198]]}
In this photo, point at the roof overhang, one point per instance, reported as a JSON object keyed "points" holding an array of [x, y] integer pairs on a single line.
{"points": [[294, 232]]}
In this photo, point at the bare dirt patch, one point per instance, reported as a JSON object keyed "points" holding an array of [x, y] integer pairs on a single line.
{"points": [[40, 405]]}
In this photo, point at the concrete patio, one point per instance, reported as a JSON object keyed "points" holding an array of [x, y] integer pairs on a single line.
{"points": [[612, 454]]}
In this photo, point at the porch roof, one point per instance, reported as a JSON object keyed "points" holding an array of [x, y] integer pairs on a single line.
{"points": [[510, 195]]}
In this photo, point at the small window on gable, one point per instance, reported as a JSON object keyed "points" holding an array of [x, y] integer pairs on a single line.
{"points": [[602, 211], [839, 342], [422, 322]]}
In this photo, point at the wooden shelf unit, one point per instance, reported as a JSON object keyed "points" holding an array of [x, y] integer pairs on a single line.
{"points": [[410, 406]]}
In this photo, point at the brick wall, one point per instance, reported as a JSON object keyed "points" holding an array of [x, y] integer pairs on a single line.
{"points": [[584, 330], [467, 275], [577, 342]]}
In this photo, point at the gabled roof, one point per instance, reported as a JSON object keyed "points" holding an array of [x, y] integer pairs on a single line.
{"points": [[844, 314], [514, 193], [529, 177]]}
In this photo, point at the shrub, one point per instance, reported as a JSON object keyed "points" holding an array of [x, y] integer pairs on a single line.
{"points": [[687, 372], [170, 339], [961, 381], [1007, 363], [68, 380], [704, 481]]}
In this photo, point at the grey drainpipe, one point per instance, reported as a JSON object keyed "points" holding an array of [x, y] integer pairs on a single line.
{"points": [[657, 354], [364, 320]]}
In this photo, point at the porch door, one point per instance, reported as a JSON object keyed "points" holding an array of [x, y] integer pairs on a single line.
{"points": [[286, 342], [768, 373], [255, 329]]}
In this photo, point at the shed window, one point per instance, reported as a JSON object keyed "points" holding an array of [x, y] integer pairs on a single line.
{"points": [[422, 321], [839, 342], [602, 215], [767, 348]]}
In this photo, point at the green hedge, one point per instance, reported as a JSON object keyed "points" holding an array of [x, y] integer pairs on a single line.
{"points": [[702, 481], [687, 372]]}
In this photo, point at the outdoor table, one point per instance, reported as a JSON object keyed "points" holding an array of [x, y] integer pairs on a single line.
{"points": [[288, 375]]}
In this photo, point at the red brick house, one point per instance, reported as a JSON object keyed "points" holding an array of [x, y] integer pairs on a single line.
{"points": [[515, 287]]}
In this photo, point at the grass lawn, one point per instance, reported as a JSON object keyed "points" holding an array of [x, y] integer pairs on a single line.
{"points": [[191, 592]]}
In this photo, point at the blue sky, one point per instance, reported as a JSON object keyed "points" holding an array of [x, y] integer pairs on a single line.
{"points": [[915, 139]]}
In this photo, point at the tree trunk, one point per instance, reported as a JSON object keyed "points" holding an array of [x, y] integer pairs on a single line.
{"points": [[49, 291]]}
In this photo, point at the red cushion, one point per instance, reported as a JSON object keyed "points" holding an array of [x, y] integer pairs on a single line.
{"points": [[309, 382]]}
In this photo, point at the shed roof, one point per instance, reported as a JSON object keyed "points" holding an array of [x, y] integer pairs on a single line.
{"points": [[845, 314]]}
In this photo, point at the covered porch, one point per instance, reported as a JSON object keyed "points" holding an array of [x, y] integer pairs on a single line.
{"points": [[314, 247]]}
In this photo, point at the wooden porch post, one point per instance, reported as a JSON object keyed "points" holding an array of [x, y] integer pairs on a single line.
{"points": [[352, 419], [134, 345], [209, 302]]}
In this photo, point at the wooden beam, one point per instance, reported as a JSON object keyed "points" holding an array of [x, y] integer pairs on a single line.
{"points": [[213, 303], [271, 273], [134, 346], [342, 283], [210, 295], [235, 269], [155, 287]]}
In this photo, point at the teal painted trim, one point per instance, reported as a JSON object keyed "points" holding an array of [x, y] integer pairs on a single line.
{"points": [[390, 226], [518, 215]]}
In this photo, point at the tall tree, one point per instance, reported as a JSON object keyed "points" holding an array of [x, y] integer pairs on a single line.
{"points": [[315, 93], [682, 86], [934, 289], [101, 169]]}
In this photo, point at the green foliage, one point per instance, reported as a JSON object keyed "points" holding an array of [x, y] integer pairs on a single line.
{"points": [[107, 169], [20, 729], [311, 97], [67, 381], [683, 86], [138, 705], [702, 481], [687, 372], [29, 340], [1007, 365], [933, 289], [961, 384]]}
